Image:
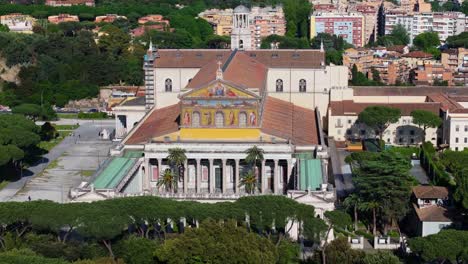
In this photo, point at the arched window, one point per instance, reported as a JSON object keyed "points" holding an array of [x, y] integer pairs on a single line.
{"points": [[219, 119], [279, 85], [241, 44], [195, 119], [242, 119], [302, 86], [168, 85]]}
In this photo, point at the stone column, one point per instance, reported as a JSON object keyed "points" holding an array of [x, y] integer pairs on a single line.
{"points": [[224, 178], [236, 180], [276, 179], [147, 176], [263, 177], [212, 176], [185, 176], [199, 171], [289, 172]]}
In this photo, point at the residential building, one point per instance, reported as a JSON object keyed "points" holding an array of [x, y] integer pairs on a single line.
{"points": [[108, 18], [369, 12], [391, 71], [260, 22], [69, 2], [453, 58], [141, 30], [431, 213], [417, 57], [461, 73], [361, 57], [350, 26], [330, 8], [63, 18], [432, 74], [18, 22], [157, 19], [446, 24]]}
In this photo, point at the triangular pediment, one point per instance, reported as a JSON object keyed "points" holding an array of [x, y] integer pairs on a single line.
{"points": [[219, 89]]}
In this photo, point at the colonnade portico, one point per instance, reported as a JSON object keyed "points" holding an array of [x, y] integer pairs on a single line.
{"points": [[220, 175], [219, 167]]}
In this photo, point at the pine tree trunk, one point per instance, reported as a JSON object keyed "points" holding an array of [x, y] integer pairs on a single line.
{"points": [[109, 248], [374, 228], [355, 218]]}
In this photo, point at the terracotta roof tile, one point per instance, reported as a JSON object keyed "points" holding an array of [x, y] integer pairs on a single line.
{"points": [[157, 123], [351, 108], [241, 70], [288, 121], [418, 54], [428, 192], [197, 58], [406, 91], [433, 213]]}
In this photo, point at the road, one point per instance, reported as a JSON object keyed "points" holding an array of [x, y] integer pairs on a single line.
{"points": [[418, 172], [74, 158], [341, 171]]}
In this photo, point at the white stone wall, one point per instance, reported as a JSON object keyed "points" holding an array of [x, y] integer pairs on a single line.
{"points": [[338, 127], [430, 228], [456, 131]]}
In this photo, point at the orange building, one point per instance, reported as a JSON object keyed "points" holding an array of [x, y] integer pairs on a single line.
{"points": [[428, 74], [153, 19]]}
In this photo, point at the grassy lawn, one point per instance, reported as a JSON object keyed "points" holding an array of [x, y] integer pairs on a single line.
{"points": [[65, 127], [48, 145], [87, 173], [67, 115], [3, 184]]}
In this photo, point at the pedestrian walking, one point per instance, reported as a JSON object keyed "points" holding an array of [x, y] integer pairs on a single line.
{"points": [[29, 198]]}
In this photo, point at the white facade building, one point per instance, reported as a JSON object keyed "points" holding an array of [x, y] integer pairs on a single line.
{"points": [[446, 24]]}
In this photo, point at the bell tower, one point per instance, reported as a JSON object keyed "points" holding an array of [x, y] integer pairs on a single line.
{"points": [[148, 67], [241, 37]]}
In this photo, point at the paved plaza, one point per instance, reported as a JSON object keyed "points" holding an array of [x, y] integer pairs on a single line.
{"points": [[65, 166]]}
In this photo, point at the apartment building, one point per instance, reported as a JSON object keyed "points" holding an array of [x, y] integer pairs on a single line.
{"points": [[461, 74], [392, 70], [350, 26], [432, 74], [361, 57], [453, 58], [263, 22], [156, 19], [18, 22], [446, 24]]}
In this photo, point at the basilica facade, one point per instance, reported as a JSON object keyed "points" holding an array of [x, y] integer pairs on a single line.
{"points": [[215, 105]]}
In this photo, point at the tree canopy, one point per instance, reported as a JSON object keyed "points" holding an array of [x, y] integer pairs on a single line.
{"points": [[379, 118], [447, 245], [398, 36]]}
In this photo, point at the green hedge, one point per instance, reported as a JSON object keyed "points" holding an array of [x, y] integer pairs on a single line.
{"points": [[97, 115], [434, 168]]}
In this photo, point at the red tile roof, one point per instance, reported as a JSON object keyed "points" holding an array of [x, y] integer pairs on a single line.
{"points": [[286, 120], [430, 192], [240, 70], [351, 108], [418, 54], [433, 213], [406, 90], [197, 58], [156, 123], [280, 119]]}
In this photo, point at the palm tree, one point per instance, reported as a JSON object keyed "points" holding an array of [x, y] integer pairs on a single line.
{"points": [[176, 160], [168, 180], [353, 201], [249, 181], [254, 156], [371, 206]]}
